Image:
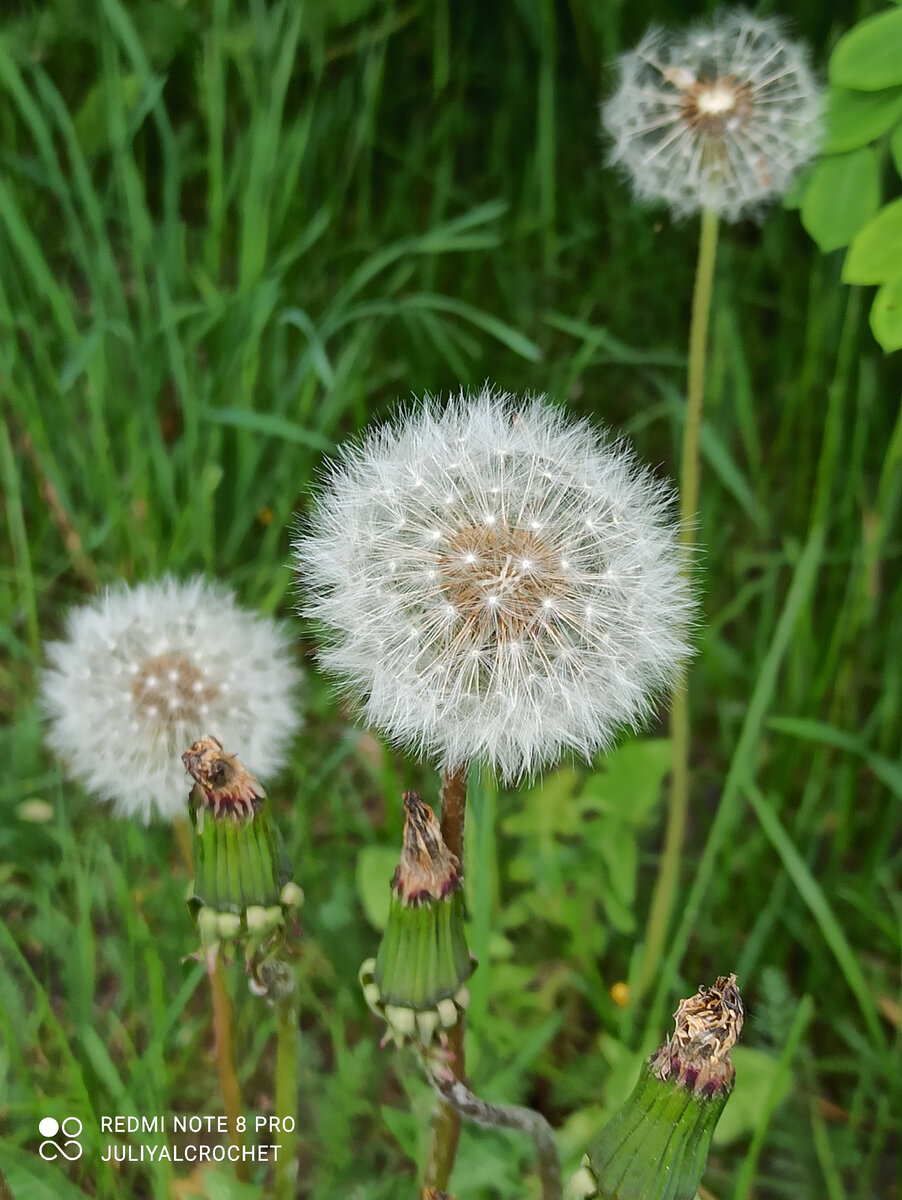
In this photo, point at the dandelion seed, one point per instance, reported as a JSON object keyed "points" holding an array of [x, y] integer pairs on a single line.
{"points": [[144, 671], [717, 119], [507, 668]]}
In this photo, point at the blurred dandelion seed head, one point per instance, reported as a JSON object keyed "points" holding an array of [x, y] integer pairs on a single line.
{"points": [[146, 670], [718, 118], [496, 581]]}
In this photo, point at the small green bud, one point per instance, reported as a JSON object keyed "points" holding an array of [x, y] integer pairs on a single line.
{"points": [[291, 896], [657, 1145], [416, 982]]}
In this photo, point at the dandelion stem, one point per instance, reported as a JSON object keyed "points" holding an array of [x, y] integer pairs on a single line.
{"points": [[287, 1092], [222, 1020], [225, 1059], [668, 872], [446, 1122], [505, 1116], [454, 810]]}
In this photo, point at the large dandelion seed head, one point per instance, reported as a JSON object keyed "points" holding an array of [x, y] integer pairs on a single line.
{"points": [[495, 582], [718, 118], [147, 670]]}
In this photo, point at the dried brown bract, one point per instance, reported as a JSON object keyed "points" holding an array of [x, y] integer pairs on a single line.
{"points": [[708, 1025], [226, 785], [427, 868]]}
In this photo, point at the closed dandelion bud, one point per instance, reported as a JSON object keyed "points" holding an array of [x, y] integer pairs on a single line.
{"points": [[417, 981], [241, 892], [656, 1146]]}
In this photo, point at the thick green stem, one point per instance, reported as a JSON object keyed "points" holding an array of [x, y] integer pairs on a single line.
{"points": [[668, 872], [446, 1123], [225, 1061], [287, 1093]]}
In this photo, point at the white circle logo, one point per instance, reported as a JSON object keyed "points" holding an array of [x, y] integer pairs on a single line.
{"points": [[71, 1128]]}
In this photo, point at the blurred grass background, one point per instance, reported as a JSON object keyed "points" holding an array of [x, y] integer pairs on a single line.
{"points": [[230, 235]]}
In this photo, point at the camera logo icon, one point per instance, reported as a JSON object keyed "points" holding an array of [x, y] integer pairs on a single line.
{"points": [[70, 1128]]}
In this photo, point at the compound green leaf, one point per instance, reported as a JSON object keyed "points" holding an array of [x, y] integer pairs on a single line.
{"points": [[869, 56], [875, 255], [842, 196]]}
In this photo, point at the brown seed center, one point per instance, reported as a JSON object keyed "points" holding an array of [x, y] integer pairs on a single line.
{"points": [[171, 687], [714, 107], [500, 580]]}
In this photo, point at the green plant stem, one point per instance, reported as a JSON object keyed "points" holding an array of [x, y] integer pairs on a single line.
{"points": [[225, 1060], [446, 1122], [287, 1092], [506, 1116], [222, 1021], [668, 872]]}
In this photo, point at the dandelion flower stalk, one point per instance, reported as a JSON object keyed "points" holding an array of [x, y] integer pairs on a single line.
{"points": [[495, 583], [242, 895], [224, 1045], [664, 894], [287, 1015], [715, 120]]}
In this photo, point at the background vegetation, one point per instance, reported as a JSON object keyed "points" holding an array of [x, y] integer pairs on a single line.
{"points": [[230, 235]]}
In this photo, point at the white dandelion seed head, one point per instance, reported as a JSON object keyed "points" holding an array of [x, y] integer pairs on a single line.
{"points": [[145, 671], [510, 641], [716, 118]]}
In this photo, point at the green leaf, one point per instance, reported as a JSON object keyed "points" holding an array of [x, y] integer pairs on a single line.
{"points": [[875, 255], [31, 1178], [755, 1072], [375, 868], [869, 56], [843, 194], [815, 898], [620, 854], [270, 425], [629, 784], [886, 315], [895, 143], [547, 809], [92, 125], [856, 118]]}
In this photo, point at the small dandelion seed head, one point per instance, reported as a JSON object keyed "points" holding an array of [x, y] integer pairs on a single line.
{"points": [[506, 668], [145, 670], [718, 119]]}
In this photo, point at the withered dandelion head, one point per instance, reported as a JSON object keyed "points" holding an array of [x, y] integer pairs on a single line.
{"points": [[495, 581], [716, 118], [146, 670]]}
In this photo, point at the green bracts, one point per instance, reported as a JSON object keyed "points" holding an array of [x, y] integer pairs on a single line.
{"points": [[656, 1146]]}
